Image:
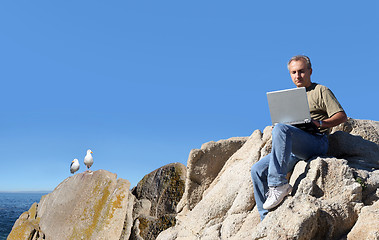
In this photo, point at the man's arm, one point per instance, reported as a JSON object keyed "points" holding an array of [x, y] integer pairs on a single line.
{"points": [[333, 121]]}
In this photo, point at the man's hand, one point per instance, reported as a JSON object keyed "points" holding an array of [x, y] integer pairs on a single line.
{"points": [[333, 121]]}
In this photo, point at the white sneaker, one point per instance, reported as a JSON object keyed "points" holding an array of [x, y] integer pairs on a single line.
{"points": [[276, 195]]}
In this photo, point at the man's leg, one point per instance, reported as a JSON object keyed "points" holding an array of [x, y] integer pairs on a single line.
{"points": [[259, 172], [286, 140], [303, 146], [259, 176], [306, 146], [281, 155]]}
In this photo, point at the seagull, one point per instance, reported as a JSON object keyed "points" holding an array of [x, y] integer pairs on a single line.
{"points": [[74, 166], [88, 159]]}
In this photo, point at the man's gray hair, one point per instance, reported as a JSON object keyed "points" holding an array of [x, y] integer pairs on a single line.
{"points": [[300, 57]]}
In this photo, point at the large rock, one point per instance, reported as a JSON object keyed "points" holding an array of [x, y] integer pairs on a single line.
{"points": [[325, 204], [93, 205], [370, 183], [334, 196], [27, 225], [226, 202], [329, 193], [204, 165], [97, 205], [356, 141], [367, 129], [158, 194], [367, 226]]}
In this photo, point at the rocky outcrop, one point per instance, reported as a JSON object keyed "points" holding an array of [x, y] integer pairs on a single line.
{"points": [[334, 196], [227, 202], [97, 205], [158, 194], [367, 224], [27, 226], [357, 142], [204, 165], [326, 203], [89, 205], [367, 129]]}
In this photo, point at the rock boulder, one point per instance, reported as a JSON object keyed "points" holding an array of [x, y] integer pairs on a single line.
{"points": [[334, 196], [367, 226], [329, 192], [204, 165], [87, 205], [157, 196]]}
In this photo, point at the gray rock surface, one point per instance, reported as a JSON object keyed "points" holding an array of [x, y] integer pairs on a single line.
{"points": [[367, 224], [334, 196], [227, 202], [325, 204], [204, 165], [357, 142], [329, 192], [93, 205], [97, 205], [367, 129]]}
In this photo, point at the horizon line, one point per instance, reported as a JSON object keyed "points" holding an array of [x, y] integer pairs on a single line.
{"points": [[26, 191]]}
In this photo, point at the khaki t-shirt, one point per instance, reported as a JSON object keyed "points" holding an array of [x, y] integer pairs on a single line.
{"points": [[322, 103]]}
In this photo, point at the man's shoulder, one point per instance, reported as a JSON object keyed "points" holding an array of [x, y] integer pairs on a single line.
{"points": [[320, 88]]}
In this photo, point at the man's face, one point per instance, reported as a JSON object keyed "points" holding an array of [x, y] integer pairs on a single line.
{"points": [[300, 74]]}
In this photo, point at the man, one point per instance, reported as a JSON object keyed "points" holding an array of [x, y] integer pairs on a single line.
{"points": [[291, 144]]}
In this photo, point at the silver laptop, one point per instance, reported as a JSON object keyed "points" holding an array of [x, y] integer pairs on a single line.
{"points": [[290, 106]]}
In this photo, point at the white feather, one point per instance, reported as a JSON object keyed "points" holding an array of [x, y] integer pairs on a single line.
{"points": [[74, 165], [88, 159]]}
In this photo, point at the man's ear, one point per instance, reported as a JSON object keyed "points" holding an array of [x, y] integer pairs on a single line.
{"points": [[310, 72]]}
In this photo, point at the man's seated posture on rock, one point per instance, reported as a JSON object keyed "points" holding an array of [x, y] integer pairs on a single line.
{"points": [[291, 144]]}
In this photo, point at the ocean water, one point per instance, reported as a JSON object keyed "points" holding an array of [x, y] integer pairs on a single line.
{"points": [[12, 205]]}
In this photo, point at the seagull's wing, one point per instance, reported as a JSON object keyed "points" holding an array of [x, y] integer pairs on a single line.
{"points": [[71, 169]]}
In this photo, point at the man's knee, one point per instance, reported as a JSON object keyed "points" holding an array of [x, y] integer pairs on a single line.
{"points": [[280, 128]]}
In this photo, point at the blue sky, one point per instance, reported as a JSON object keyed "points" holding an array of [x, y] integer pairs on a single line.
{"points": [[141, 83]]}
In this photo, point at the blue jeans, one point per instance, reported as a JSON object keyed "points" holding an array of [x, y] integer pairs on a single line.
{"points": [[289, 145]]}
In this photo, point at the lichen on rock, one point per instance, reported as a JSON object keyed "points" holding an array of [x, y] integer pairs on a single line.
{"points": [[157, 194]]}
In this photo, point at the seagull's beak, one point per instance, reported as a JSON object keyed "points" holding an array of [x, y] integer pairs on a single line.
{"points": [[72, 161], [91, 152]]}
